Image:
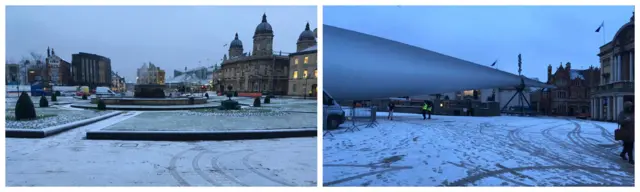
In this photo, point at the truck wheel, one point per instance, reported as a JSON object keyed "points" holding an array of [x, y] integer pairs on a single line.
{"points": [[332, 123]]}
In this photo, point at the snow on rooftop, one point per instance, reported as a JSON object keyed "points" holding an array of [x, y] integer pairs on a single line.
{"points": [[575, 74]]}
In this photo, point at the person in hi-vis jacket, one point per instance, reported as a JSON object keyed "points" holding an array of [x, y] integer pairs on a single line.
{"points": [[426, 109]]}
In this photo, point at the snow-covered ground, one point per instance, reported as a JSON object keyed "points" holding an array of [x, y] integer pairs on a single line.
{"points": [[480, 151], [67, 159]]}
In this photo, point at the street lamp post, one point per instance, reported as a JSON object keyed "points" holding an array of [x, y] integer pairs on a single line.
{"points": [[305, 86]]}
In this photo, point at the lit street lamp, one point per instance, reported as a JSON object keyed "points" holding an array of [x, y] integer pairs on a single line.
{"points": [[306, 78]]}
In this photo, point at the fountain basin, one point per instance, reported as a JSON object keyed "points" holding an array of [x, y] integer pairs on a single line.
{"points": [[149, 101]]}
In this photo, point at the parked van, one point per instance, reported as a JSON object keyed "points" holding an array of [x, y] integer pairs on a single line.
{"points": [[334, 116], [104, 91]]}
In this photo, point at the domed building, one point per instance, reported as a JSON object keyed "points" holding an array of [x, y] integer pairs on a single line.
{"points": [[263, 38], [303, 77], [256, 72], [306, 39], [235, 48], [315, 32], [617, 76]]}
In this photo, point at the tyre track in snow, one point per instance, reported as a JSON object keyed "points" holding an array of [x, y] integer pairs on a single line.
{"points": [[588, 147], [480, 176], [245, 162], [217, 174], [556, 159], [517, 144], [525, 146]]}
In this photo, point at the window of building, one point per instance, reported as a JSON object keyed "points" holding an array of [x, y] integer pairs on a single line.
{"points": [[295, 76], [561, 95], [293, 88], [315, 73], [306, 60], [576, 83], [305, 74], [296, 61], [468, 93]]}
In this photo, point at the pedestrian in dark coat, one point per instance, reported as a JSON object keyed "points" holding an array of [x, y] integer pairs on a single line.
{"points": [[627, 122], [391, 107]]}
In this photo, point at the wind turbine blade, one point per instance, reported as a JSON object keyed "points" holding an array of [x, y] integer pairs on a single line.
{"points": [[359, 66]]}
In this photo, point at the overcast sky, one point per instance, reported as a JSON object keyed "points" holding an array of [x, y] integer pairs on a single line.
{"points": [[170, 37], [482, 34]]}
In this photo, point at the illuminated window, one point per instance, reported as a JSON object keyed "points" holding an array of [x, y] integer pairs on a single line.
{"points": [[315, 73], [306, 60], [306, 73], [295, 74], [296, 61]]}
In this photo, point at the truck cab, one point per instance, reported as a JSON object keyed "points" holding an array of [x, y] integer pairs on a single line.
{"points": [[334, 116]]}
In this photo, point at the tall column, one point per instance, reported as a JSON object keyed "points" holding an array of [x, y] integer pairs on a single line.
{"points": [[620, 104], [631, 62], [601, 72], [613, 68], [619, 67], [608, 98], [593, 107], [601, 108], [598, 111], [615, 107]]}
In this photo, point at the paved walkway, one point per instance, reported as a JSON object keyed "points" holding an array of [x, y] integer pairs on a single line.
{"points": [[69, 160], [182, 121]]}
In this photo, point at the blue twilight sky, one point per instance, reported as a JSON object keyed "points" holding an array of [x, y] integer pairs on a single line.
{"points": [[481, 34], [171, 37]]}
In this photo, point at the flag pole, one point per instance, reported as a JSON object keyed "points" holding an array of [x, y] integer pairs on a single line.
{"points": [[604, 31]]}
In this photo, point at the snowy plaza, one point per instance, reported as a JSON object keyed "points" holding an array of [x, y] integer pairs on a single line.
{"points": [[475, 151], [70, 158]]}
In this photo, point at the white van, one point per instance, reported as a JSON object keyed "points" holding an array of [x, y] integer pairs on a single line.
{"points": [[104, 91], [333, 114]]}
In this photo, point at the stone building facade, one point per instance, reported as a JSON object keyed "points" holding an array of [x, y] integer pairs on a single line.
{"points": [[572, 93], [262, 70], [303, 76], [12, 74], [617, 64], [90, 70], [59, 70]]}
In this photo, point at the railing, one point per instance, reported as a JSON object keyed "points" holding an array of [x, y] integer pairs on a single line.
{"points": [[620, 86], [361, 116]]}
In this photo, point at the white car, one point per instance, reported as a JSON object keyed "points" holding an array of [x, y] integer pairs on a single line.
{"points": [[334, 116], [68, 93]]}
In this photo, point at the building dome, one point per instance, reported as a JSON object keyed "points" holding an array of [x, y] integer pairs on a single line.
{"points": [[307, 34], [236, 43], [315, 32], [264, 26]]}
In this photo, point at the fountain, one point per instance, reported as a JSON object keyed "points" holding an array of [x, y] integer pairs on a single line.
{"points": [[150, 93]]}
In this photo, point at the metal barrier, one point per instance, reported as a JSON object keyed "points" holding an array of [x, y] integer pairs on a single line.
{"points": [[359, 116]]}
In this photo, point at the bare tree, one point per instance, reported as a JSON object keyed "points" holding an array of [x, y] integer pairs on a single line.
{"points": [[10, 61], [37, 57]]}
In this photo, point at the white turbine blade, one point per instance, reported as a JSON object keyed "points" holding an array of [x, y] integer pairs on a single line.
{"points": [[358, 66]]}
